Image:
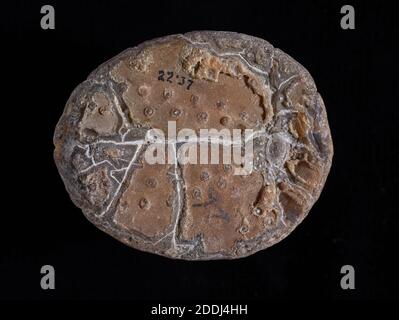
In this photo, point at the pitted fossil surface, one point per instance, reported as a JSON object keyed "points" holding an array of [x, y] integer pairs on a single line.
{"points": [[200, 80]]}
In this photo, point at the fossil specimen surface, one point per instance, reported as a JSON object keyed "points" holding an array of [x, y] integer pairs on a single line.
{"points": [[199, 80]]}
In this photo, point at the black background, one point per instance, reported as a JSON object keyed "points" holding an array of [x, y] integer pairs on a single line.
{"points": [[354, 222]]}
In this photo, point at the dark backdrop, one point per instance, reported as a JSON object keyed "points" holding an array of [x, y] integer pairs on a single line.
{"points": [[354, 222]]}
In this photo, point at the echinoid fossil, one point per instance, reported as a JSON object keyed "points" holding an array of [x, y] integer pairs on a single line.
{"points": [[199, 80]]}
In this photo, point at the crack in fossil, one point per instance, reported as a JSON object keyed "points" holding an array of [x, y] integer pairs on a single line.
{"points": [[129, 167]]}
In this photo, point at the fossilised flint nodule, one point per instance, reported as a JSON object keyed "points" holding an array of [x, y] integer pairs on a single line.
{"points": [[199, 80]]}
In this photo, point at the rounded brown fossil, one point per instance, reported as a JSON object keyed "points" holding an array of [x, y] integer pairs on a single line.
{"points": [[195, 210]]}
